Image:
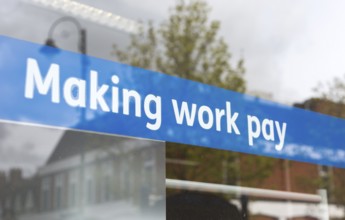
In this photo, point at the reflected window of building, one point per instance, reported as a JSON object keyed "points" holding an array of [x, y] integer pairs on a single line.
{"points": [[324, 171], [72, 188], [46, 197], [29, 201], [107, 192], [106, 180], [125, 176], [89, 191], [18, 203], [58, 192]]}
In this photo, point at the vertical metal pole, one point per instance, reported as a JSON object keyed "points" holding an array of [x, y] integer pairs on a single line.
{"points": [[81, 182], [84, 64], [244, 207], [323, 204]]}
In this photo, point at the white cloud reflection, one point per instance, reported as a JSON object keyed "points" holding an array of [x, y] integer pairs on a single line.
{"points": [[316, 154]]}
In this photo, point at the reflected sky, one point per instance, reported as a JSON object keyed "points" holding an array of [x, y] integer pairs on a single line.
{"points": [[288, 46], [26, 147]]}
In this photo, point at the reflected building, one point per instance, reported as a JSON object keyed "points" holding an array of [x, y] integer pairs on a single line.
{"points": [[92, 176], [18, 195], [239, 169]]}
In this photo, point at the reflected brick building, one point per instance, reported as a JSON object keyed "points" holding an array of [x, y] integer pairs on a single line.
{"points": [[208, 165]]}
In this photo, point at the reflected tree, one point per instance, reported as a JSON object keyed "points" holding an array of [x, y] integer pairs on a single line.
{"points": [[187, 45], [333, 90]]}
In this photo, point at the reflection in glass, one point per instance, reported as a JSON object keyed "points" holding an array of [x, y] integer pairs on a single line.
{"points": [[80, 176], [254, 187]]}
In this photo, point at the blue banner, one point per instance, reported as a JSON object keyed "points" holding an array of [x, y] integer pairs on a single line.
{"points": [[48, 86]]}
